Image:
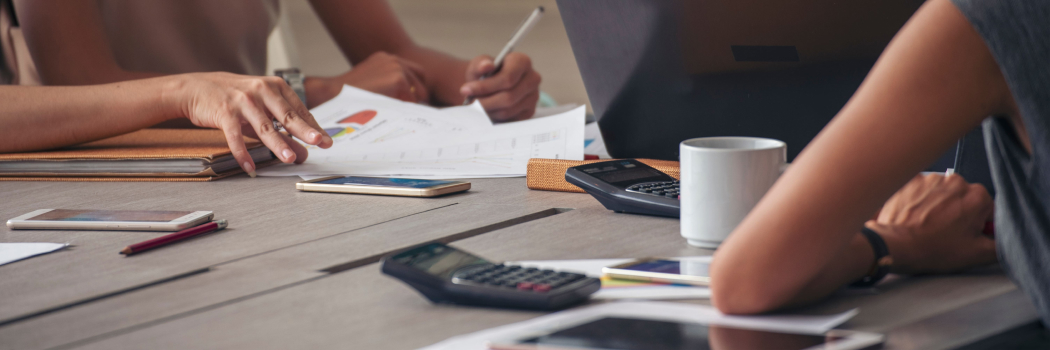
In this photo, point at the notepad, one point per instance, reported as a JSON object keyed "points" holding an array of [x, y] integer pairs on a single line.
{"points": [[11, 252], [144, 155]]}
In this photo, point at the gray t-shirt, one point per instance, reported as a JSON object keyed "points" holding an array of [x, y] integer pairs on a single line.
{"points": [[1017, 33]]}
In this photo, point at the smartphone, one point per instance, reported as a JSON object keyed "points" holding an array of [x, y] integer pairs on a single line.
{"points": [[609, 332], [119, 220], [383, 186], [686, 271]]}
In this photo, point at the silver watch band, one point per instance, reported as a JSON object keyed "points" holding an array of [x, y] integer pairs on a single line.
{"points": [[294, 80]]}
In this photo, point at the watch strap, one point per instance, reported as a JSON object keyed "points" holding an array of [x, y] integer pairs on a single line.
{"points": [[294, 78], [881, 267]]}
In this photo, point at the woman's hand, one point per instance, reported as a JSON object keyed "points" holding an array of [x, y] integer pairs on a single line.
{"points": [[246, 106], [381, 73], [508, 95], [935, 224]]}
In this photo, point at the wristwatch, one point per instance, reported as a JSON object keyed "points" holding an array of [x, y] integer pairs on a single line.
{"points": [[294, 80], [881, 267]]}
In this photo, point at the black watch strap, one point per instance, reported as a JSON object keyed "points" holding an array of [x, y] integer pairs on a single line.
{"points": [[295, 80], [881, 267]]}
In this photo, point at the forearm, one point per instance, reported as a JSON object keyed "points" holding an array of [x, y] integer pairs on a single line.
{"points": [[39, 118]]}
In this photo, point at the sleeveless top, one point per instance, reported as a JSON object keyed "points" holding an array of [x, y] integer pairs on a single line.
{"points": [[182, 36], [1017, 32]]}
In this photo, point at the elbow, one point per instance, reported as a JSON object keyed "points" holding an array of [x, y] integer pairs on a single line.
{"points": [[742, 293]]}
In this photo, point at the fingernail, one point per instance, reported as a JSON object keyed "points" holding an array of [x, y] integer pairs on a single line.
{"points": [[315, 136], [288, 155], [248, 168], [466, 91]]}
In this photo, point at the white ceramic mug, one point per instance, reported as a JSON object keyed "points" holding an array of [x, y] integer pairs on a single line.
{"points": [[722, 179]]}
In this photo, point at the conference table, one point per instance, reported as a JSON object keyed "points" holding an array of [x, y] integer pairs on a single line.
{"points": [[299, 270]]}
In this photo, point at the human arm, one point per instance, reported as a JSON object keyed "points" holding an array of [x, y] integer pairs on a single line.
{"points": [[45, 117], [55, 31], [935, 81], [364, 28]]}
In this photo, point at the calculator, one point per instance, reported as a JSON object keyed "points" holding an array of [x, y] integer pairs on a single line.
{"points": [[444, 274], [628, 186]]}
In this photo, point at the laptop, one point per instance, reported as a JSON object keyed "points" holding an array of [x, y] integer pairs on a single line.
{"points": [[661, 71]]}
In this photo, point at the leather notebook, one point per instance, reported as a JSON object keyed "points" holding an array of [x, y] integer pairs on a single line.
{"points": [[549, 174], [148, 155]]}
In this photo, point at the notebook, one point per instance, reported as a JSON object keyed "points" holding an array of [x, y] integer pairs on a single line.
{"points": [[144, 155]]}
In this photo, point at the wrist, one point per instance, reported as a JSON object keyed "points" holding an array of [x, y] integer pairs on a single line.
{"points": [[320, 90], [898, 244], [173, 98]]}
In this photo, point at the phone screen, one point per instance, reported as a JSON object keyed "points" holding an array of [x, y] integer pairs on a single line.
{"points": [[673, 267], [110, 215], [386, 182], [438, 259], [637, 334]]}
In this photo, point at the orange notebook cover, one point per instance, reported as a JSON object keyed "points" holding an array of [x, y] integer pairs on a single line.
{"points": [[207, 146], [549, 174]]}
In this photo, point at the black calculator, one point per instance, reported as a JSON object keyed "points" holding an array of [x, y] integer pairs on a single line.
{"points": [[445, 274], [628, 186]]}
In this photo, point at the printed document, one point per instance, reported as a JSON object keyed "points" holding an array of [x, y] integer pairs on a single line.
{"points": [[11, 252], [378, 136]]}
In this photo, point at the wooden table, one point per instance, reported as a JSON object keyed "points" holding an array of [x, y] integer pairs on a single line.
{"points": [[298, 270]]}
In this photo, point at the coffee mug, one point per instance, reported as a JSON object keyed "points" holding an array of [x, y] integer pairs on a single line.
{"points": [[722, 179]]}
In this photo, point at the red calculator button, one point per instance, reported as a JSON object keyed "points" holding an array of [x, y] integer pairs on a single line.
{"points": [[524, 286], [542, 288]]}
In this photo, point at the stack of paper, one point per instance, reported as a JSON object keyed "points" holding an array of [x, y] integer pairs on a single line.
{"points": [[623, 289], [378, 136]]}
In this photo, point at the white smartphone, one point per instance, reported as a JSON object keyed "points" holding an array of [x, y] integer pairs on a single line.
{"points": [[383, 186], [120, 220], [686, 271], [613, 332]]}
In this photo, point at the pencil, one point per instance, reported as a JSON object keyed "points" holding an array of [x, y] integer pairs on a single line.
{"points": [[174, 237]]}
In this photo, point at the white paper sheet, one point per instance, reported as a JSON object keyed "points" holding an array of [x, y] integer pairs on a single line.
{"points": [[650, 310], [11, 252], [438, 152], [593, 268]]}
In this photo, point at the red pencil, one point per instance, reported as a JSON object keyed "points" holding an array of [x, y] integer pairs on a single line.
{"points": [[174, 237]]}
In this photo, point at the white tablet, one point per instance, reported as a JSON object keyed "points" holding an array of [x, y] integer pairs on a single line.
{"points": [[627, 333], [123, 220]]}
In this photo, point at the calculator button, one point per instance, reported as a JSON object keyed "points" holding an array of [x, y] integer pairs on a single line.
{"points": [[525, 285], [542, 288]]}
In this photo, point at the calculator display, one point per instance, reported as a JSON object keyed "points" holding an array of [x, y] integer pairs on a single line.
{"points": [[628, 176], [438, 259]]}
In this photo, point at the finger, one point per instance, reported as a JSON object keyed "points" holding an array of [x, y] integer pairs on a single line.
{"points": [[526, 108], [263, 127], [304, 113], [270, 94], [479, 67], [415, 68], [515, 67], [234, 138], [300, 151], [501, 106], [416, 88]]}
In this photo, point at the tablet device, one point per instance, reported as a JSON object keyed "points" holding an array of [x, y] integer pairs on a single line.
{"points": [[625, 333], [119, 220], [383, 186]]}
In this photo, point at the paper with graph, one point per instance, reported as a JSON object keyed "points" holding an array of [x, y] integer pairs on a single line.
{"points": [[379, 136]]}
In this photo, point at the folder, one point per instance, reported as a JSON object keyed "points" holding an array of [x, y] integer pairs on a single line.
{"points": [[148, 155], [549, 174]]}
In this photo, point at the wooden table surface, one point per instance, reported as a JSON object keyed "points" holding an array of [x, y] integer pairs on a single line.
{"points": [[298, 270]]}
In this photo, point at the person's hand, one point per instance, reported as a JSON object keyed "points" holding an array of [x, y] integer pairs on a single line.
{"points": [[934, 223], [381, 73], [246, 106], [509, 94]]}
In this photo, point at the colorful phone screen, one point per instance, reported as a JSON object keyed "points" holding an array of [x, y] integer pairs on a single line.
{"points": [[110, 215], [385, 182], [672, 267]]}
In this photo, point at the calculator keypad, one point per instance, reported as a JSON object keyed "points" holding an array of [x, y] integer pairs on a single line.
{"points": [[516, 277], [668, 189]]}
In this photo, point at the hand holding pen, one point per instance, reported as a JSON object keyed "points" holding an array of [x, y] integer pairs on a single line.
{"points": [[506, 86]]}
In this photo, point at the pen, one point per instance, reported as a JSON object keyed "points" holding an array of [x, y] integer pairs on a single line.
{"points": [[514, 40], [174, 237]]}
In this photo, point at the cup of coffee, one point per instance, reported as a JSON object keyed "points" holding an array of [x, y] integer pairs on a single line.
{"points": [[722, 179]]}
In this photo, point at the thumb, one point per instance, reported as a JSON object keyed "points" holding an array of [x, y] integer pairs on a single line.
{"points": [[479, 67]]}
